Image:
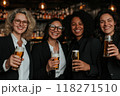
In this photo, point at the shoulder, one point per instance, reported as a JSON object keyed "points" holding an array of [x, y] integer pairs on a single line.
{"points": [[94, 40], [39, 45], [5, 39]]}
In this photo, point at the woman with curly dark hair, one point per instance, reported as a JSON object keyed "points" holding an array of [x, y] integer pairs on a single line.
{"points": [[81, 34], [108, 23], [45, 65]]}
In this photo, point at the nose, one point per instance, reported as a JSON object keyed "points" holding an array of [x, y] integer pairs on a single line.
{"points": [[77, 26], [21, 23], [105, 23], [56, 29]]}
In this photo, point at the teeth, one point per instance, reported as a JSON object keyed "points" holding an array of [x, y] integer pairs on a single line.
{"points": [[107, 27], [55, 34], [20, 28], [77, 30]]}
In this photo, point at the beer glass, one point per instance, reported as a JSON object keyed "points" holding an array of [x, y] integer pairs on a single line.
{"points": [[19, 51], [108, 40], [56, 55], [75, 56]]}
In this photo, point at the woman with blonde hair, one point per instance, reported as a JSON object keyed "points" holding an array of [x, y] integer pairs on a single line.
{"points": [[19, 27]]}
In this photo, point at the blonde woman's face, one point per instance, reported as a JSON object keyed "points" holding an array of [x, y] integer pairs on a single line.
{"points": [[20, 24]]}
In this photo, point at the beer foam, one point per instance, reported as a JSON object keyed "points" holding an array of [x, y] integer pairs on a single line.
{"points": [[75, 50], [19, 49], [55, 55]]}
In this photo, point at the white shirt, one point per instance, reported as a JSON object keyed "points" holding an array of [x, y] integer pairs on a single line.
{"points": [[23, 70], [62, 64]]}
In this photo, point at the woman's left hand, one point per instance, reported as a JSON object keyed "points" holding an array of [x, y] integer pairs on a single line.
{"points": [[113, 51], [80, 65]]}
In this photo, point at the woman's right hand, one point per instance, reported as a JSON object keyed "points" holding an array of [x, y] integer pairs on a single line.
{"points": [[14, 61], [52, 64]]}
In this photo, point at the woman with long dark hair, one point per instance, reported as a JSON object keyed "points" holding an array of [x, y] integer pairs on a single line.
{"points": [[108, 23], [44, 64]]}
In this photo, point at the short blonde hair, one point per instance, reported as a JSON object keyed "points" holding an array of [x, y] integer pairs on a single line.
{"points": [[31, 22]]}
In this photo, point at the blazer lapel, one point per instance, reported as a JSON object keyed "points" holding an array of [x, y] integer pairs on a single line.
{"points": [[10, 44]]}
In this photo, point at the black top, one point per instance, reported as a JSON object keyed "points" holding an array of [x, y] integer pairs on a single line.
{"points": [[110, 67], [41, 54], [6, 50], [88, 51]]}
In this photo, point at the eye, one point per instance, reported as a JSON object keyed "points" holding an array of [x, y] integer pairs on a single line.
{"points": [[53, 26], [60, 27], [73, 24], [80, 23], [17, 21], [101, 21]]}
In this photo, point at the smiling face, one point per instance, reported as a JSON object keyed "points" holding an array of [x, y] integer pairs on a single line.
{"points": [[77, 27], [55, 30], [107, 24], [20, 24]]}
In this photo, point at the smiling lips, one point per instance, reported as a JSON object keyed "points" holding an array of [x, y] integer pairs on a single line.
{"points": [[20, 28]]}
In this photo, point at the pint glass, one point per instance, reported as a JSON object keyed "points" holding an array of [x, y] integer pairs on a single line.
{"points": [[108, 40], [19, 51], [56, 55], [75, 54]]}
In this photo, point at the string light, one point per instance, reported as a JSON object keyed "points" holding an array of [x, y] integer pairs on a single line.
{"points": [[42, 5], [4, 3], [112, 7]]}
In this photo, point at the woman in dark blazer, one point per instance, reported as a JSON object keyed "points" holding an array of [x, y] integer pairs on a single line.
{"points": [[81, 35], [108, 23], [19, 27], [44, 64]]}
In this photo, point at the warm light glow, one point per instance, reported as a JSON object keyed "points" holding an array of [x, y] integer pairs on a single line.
{"points": [[82, 7], [112, 7], [4, 3], [42, 6]]}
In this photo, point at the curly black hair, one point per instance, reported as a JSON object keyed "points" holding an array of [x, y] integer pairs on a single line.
{"points": [[87, 21], [98, 32]]}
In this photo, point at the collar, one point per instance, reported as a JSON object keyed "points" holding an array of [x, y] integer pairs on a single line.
{"points": [[16, 40]]}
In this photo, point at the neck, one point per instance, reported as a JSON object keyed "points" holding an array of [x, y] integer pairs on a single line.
{"points": [[78, 38], [18, 36], [52, 42]]}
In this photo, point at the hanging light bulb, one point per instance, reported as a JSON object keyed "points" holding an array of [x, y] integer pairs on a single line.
{"points": [[42, 6], [112, 7], [82, 6], [4, 3]]}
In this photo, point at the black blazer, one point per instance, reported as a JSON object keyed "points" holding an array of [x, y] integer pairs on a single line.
{"points": [[88, 52], [41, 54], [110, 67], [6, 50]]}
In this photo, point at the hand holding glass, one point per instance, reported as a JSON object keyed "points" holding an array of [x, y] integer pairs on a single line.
{"points": [[75, 56], [56, 55], [19, 51]]}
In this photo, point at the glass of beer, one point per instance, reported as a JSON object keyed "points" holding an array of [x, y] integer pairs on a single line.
{"points": [[108, 40], [19, 51], [56, 55], [75, 56]]}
